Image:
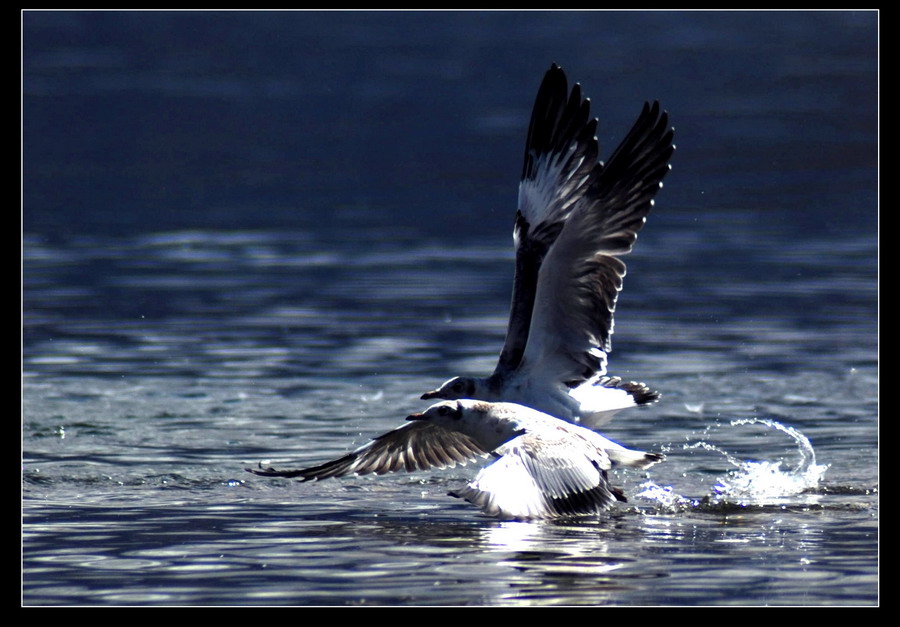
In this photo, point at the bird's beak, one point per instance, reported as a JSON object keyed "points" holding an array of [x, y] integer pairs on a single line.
{"points": [[431, 394], [418, 416]]}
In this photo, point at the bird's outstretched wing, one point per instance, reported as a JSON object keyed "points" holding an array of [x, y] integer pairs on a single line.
{"points": [[559, 166], [581, 276], [414, 446]]}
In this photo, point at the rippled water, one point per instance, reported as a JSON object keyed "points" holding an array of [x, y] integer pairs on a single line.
{"points": [[177, 333], [137, 431]]}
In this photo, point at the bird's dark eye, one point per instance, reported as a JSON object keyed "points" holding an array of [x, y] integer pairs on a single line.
{"points": [[452, 412], [458, 386]]}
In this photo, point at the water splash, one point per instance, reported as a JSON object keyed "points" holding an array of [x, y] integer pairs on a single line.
{"points": [[665, 497], [749, 482], [763, 481]]}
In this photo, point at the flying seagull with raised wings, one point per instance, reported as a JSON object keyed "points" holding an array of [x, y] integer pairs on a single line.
{"points": [[576, 216]]}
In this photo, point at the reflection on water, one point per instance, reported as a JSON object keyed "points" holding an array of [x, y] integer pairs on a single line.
{"points": [[270, 551]]}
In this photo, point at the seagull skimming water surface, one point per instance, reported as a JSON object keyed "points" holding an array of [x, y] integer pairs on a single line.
{"points": [[543, 467]]}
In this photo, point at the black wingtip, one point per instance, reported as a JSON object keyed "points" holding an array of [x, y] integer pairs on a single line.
{"points": [[271, 472], [641, 393]]}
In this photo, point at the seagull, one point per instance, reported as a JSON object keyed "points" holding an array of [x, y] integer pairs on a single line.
{"points": [[543, 467], [575, 217]]}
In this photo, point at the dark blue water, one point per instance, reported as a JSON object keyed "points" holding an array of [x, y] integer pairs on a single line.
{"points": [[261, 236]]}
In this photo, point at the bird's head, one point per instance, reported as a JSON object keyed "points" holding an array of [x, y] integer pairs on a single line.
{"points": [[455, 388], [445, 413]]}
